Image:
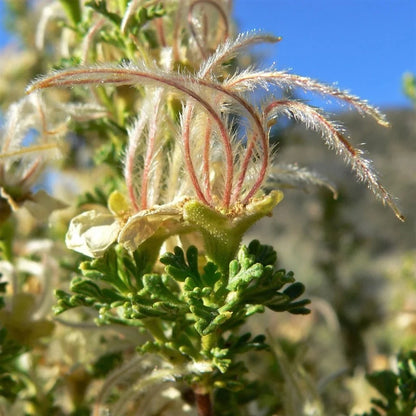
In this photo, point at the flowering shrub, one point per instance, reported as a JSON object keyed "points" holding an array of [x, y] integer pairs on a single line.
{"points": [[161, 141]]}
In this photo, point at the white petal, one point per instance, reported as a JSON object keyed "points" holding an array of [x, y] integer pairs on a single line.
{"points": [[92, 233]]}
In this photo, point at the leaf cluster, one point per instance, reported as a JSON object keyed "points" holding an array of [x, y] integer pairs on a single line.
{"points": [[397, 389], [135, 25], [192, 301]]}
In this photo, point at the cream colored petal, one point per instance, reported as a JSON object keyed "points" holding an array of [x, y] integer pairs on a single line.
{"points": [[144, 224], [92, 233], [136, 231]]}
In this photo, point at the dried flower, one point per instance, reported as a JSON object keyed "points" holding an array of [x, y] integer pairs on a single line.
{"points": [[21, 164]]}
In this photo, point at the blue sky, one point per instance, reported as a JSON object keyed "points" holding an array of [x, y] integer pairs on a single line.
{"points": [[364, 46]]}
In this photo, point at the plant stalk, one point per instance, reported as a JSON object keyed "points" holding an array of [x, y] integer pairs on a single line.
{"points": [[203, 403]]}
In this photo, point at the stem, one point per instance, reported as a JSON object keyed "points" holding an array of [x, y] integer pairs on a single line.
{"points": [[203, 403], [208, 342], [154, 327], [203, 47]]}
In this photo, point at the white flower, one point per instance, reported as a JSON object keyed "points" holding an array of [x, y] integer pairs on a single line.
{"points": [[92, 233]]}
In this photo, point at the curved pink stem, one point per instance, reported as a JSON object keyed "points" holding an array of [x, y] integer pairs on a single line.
{"points": [[263, 138], [161, 31], [244, 168], [149, 154], [129, 163], [123, 76], [282, 78], [34, 168], [206, 173], [359, 165], [192, 26], [187, 153]]}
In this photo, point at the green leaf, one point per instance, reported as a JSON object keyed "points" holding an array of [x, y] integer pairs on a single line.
{"points": [[65, 301], [143, 16], [296, 308], [216, 323], [385, 382], [85, 287], [204, 314], [100, 6], [244, 276], [9, 349], [264, 254], [192, 257], [3, 286], [176, 265], [10, 386], [96, 197], [220, 359], [109, 268], [143, 311], [295, 290], [149, 347], [179, 269], [150, 37], [66, 63], [200, 310], [253, 309], [106, 363], [398, 389], [73, 10], [243, 343], [185, 346], [90, 289], [7, 232], [211, 274], [155, 287]]}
